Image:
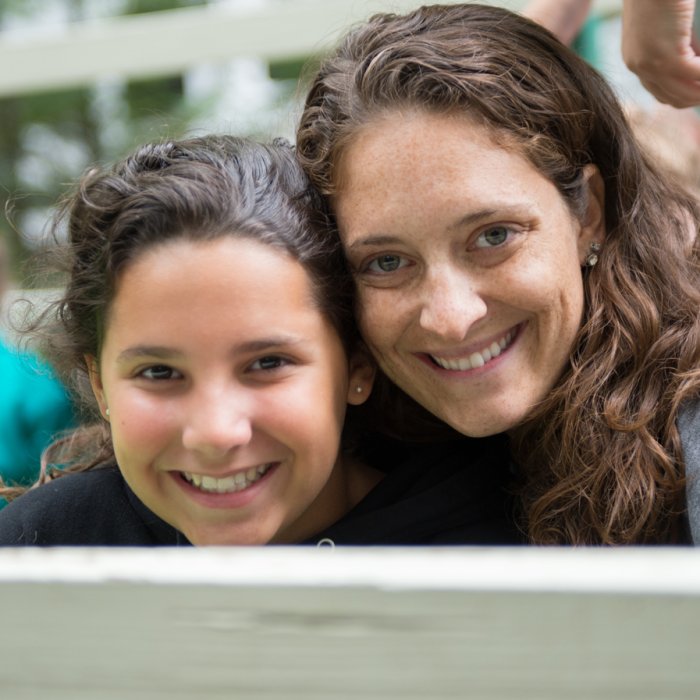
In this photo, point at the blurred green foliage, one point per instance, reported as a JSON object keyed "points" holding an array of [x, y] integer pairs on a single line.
{"points": [[68, 121]]}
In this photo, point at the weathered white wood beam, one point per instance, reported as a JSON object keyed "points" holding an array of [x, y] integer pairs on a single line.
{"points": [[378, 624]]}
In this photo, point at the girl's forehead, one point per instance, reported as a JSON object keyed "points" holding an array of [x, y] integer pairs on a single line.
{"points": [[185, 275]]}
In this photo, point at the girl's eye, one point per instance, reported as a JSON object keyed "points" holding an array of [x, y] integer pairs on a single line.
{"points": [[160, 373], [268, 363], [386, 263], [492, 237]]}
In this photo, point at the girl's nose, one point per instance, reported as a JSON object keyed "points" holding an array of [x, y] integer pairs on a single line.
{"points": [[216, 425]]}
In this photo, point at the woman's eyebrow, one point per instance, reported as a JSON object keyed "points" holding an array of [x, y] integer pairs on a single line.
{"points": [[499, 210], [468, 219], [374, 240], [474, 216]]}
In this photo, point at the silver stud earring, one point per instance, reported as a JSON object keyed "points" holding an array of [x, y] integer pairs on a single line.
{"points": [[592, 257], [106, 413], [358, 389]]}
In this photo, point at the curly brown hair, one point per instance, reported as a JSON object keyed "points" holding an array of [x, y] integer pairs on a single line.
{"points": [[600, 458]]}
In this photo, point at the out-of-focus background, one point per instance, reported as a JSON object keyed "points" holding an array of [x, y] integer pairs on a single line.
{"points": [[83, 81]]}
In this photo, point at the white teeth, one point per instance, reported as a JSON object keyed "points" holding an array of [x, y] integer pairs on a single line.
{"points": [[209, 483], [476, 359], [229, 484]]}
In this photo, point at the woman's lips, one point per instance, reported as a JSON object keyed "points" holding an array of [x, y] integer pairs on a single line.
{"points": [[479, 358]]}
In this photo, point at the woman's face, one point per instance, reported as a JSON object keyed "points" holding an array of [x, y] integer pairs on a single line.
{"points": [[227, 390], [468, 266]]}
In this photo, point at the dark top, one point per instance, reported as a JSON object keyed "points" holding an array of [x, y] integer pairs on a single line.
{"points": [[441, 495]]}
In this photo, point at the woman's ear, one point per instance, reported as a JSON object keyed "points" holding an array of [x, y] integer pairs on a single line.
{"points": [[361, 376], [592, 233], [96, 384]]}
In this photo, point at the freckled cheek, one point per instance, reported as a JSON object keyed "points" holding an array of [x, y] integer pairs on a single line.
{"points": [[559, 308], [381, 319]]}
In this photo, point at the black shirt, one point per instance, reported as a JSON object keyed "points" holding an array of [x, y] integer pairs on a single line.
{"points": [[440, 494]]}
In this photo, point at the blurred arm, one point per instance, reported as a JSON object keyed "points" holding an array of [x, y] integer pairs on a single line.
{"points": [[564, 18], [658, 44]]}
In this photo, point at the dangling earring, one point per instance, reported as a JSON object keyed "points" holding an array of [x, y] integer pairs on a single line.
{"points": [[592, 257]]}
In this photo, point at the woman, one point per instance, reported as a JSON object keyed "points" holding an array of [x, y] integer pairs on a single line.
{"points": [[521, 266]]}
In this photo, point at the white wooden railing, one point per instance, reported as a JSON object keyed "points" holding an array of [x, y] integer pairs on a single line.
{"points": [[167, 42], [350, 624]]}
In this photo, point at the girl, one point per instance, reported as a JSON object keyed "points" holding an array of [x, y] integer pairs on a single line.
{"points": [[213, 322]]}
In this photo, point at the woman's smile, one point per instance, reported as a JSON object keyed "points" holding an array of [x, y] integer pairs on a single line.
{"points": [[464, 360]]}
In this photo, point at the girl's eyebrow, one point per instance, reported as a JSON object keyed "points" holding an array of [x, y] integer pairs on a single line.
{"points": [[271, 342], [160, 352], [155, 351]]}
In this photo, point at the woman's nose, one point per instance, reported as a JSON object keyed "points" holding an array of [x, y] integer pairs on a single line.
{"points": [[451, 304], [217, 424]]}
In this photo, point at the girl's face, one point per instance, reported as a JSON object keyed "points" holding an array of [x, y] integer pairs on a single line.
{"points": [[227, 390], [468, 266]]}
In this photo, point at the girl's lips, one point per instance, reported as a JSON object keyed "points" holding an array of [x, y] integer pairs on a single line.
{"points": [[228, 484], [477, 359], [213, 492]]}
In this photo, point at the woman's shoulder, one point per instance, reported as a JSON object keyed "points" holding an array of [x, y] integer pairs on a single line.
{"points": [[689, 429], [689, 419]]}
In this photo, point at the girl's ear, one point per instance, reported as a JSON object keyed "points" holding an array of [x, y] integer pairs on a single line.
{"points": [[361, 376], [593, 221], [96, 384]]}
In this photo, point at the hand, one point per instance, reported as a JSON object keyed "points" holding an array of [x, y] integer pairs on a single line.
{"points": [[659, 45]]}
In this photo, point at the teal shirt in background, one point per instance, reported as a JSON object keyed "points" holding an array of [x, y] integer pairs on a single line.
{"points": [[34, 407]]}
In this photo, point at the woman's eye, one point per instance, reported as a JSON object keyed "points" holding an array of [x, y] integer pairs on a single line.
{"points": [[268, 363], [493, 237], [386, 263], [160, 373]]}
